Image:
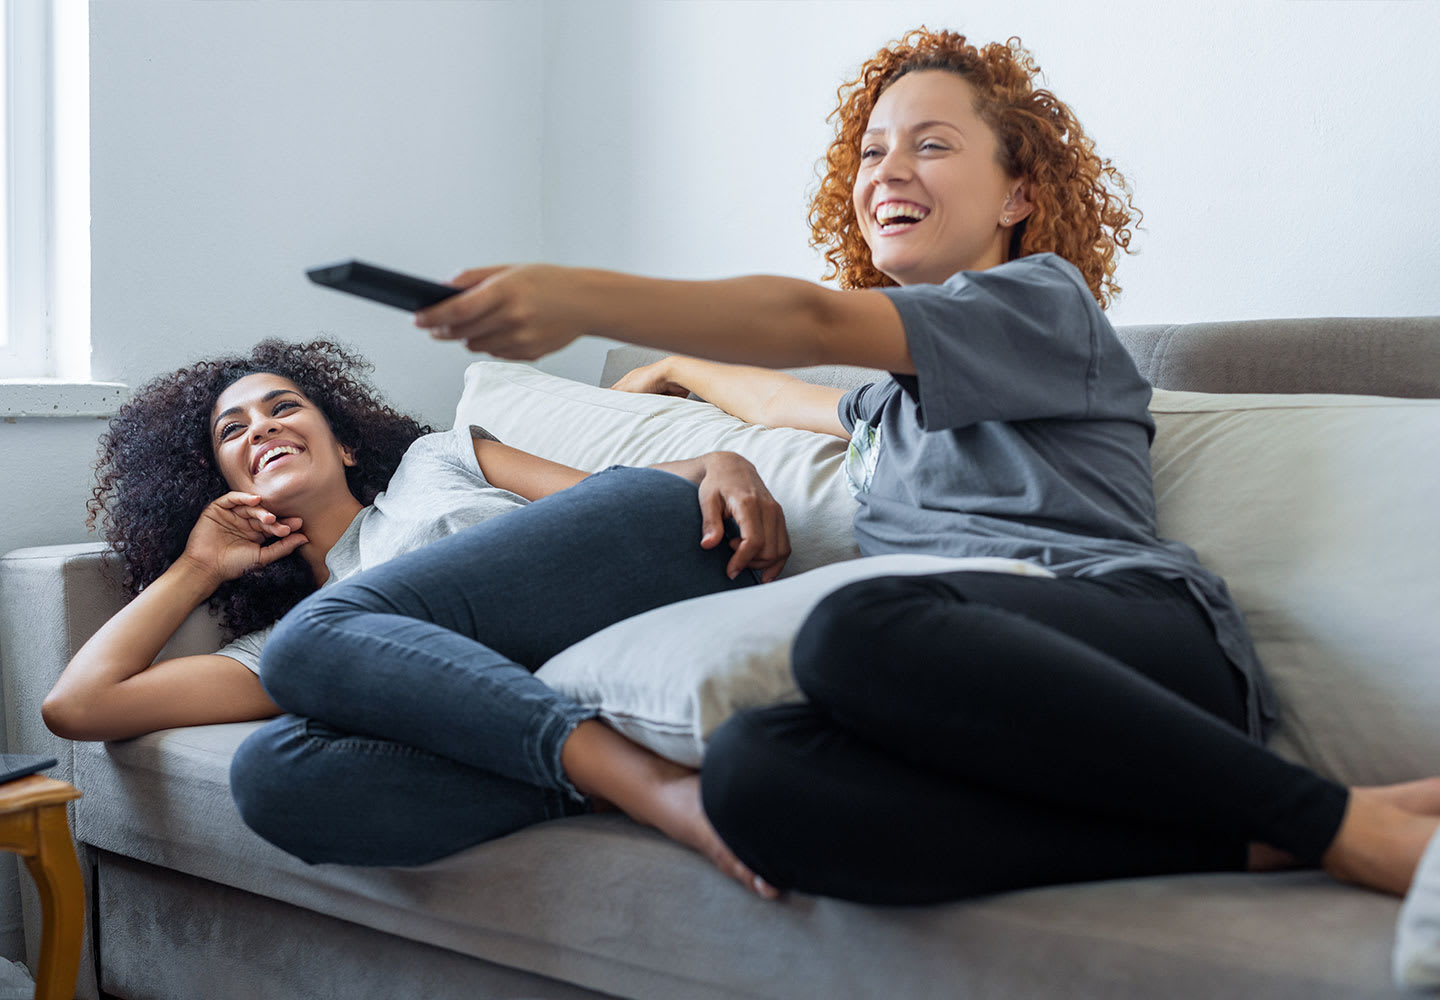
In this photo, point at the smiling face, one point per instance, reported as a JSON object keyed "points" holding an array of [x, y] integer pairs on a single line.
{"points": [[930, 197], [271, 440]]}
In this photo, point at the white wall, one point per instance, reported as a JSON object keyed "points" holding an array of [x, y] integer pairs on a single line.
{"points": [[1283, 153]]}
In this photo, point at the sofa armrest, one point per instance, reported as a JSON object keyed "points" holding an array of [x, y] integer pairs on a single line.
{"points": [[52, 600]]}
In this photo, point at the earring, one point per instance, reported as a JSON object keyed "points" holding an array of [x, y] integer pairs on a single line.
{"points": [[1005, 221]]}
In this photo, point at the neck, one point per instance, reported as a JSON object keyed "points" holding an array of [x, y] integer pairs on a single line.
{"points": [[323, 527]]}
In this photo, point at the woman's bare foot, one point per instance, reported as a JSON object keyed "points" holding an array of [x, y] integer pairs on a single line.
{"points": [[1380, 841], [1421, 796], [681, 817], [652, 790]]}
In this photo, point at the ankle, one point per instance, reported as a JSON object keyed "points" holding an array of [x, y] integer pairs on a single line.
{"points": [[1378, 845]]}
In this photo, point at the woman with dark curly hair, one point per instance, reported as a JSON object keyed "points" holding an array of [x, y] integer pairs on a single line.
{"points": [[249, 482], [967, 733]]}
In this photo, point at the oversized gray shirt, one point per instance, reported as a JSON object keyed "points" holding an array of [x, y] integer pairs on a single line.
{"points": [[1025, 434], [437, 490]]}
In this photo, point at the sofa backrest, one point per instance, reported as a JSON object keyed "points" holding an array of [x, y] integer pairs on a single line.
{"points": [[1370, 357], [1366, 356]]}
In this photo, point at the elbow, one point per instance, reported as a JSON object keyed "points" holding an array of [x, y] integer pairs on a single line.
{"points": [[61, 716], [69, 716]]}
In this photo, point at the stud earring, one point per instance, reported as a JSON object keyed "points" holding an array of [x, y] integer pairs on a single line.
{"points": [[1005, 221]]}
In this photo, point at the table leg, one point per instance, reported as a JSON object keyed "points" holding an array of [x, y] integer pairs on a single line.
{"points": [[62, 896]]}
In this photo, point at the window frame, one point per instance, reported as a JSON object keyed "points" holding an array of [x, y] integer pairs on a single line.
{"points": [[44, 254]]}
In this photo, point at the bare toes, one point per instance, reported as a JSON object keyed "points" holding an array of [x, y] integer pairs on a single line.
{"points": [[728, 863]]}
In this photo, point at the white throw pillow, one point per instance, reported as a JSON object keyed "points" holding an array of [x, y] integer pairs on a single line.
{"points": [[668, 677], [1322, 513], [590, 428]]}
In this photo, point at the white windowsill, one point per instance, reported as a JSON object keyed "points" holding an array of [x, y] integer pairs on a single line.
{"points": [[59, 398]]}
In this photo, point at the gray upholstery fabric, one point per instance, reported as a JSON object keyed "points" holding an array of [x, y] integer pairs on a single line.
{"points": [[1378, 357], [191, 904], [222, 944], [1381, 357], [608, 905]]}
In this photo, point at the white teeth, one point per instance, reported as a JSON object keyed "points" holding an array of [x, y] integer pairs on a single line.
{"points": [[275, 453], [891, 211]]}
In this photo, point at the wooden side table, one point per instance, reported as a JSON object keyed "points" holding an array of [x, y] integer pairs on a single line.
{"points": [[33, 825]]}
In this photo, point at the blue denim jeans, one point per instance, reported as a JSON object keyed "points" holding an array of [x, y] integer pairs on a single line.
{"points": [[416, 726]]}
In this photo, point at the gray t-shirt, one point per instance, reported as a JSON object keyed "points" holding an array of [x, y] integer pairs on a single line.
{"points": [[1025, 434], [437, 490]]}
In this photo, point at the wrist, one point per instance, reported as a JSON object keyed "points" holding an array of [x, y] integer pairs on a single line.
{"points": [[679, 370], [596, 297], [194, 576]]}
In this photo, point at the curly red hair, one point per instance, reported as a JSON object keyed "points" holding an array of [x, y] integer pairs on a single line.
{"points": [[1082, 205]]}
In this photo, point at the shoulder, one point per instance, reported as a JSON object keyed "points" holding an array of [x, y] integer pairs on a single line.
{"points": [[437, 453], [1041, 277], [1041, 288]]}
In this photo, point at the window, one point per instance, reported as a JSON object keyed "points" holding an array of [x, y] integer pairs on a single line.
{"points": [[45, 177]]}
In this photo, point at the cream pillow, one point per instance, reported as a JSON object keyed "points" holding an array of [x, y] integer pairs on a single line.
{"points": [[1322, 513], [668, 677], [590, 428]]}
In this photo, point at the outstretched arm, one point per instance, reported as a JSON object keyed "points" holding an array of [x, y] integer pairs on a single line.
{"points": [[527, 312], [756, 395]]}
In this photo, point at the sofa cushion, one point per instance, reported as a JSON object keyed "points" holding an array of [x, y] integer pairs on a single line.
{"points": [[1320, 513], [613, 906], [590, 428]]}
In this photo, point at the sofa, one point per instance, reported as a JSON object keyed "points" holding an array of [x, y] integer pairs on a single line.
{"points": [[1300, 458]]}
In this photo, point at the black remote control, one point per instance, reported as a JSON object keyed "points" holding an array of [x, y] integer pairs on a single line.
{"points": [[403, 291]]}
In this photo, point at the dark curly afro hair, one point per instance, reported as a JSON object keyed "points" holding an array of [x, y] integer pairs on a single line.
{"points": [[156, 471]]}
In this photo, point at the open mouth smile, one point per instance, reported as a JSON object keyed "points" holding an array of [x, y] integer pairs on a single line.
{"points": [[272, 454], [898, 216]]}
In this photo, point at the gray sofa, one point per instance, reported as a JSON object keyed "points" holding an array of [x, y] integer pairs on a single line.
{"points": [[186, 903]]}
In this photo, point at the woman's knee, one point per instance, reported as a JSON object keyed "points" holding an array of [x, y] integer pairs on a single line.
{"points": [[852, 630]]}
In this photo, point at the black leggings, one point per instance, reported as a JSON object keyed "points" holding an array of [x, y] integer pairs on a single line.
{"points": [[970, 733]]}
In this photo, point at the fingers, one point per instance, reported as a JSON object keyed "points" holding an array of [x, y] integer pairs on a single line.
{"points": [[447, 319], [712, 520], [235, 499], [281, 548], [243, 512], [764, 542], [631, 381], [472, 276], [266, 523], [732, 866]]}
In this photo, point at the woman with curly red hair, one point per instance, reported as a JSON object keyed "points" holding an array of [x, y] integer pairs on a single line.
{"points": [[966, 732]]}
